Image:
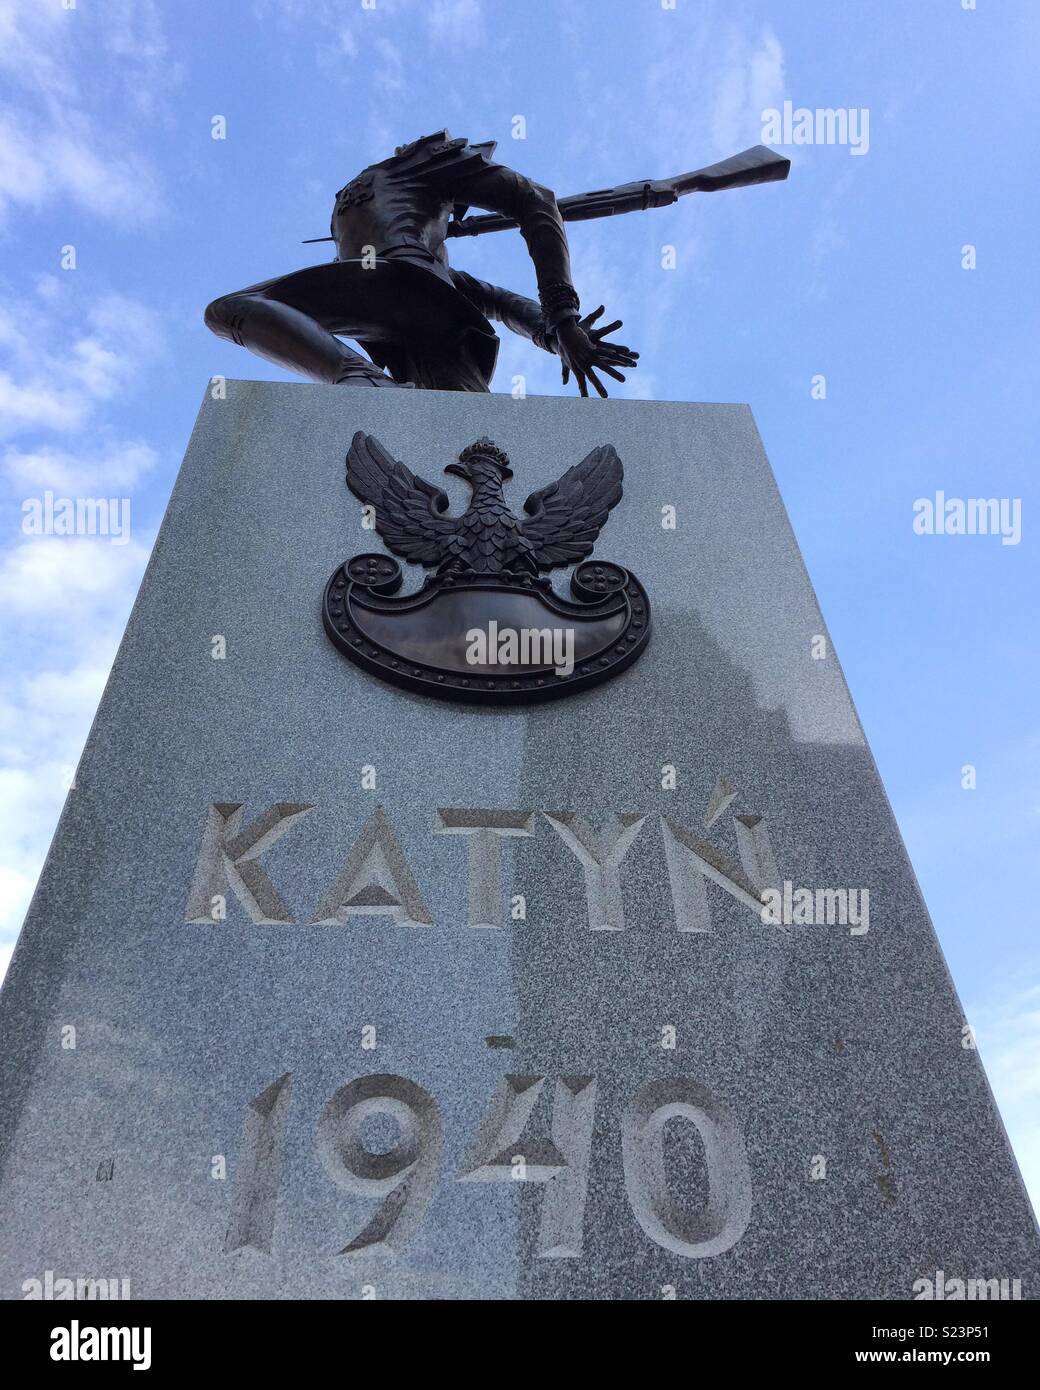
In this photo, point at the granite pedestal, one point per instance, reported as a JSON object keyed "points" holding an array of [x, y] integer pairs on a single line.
{"points": [[329, 990]]}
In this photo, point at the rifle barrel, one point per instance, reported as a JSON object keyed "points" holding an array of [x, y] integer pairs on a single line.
{"points": [[756, 165]]}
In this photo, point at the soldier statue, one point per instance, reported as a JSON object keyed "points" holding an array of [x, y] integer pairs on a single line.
{"points": [[392, 291]]}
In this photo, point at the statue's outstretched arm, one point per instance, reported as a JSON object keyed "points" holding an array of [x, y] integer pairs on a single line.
{"points": [[580, 347], [498, 189]]}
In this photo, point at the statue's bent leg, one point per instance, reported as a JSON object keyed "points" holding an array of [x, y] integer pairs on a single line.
{"points": [[262, 319]]}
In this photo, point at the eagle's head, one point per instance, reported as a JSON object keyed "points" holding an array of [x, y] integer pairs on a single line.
{"points": [[485, 452]]}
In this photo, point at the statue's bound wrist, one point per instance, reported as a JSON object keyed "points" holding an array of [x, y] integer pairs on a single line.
{"points": [[559, 302]]}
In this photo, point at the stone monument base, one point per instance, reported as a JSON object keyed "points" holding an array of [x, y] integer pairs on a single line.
{"points": [[330, 990]]}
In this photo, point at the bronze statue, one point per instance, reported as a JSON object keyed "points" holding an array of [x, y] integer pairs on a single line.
{"points": [[392, 290]]}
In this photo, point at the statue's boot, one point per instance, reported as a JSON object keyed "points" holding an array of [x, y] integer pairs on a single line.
{"points": [[362, 373]]}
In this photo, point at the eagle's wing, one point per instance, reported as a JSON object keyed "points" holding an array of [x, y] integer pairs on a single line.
{"points": [[409, 512], [565, 518]]}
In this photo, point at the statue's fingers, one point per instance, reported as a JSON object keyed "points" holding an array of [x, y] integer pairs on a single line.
{"points": [[610, 371], [566, 374], [580, 379], [597, 383], [601, 332]]}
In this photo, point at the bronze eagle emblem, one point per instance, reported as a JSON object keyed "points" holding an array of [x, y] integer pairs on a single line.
{"points": [[487, 625], [560, 525]]}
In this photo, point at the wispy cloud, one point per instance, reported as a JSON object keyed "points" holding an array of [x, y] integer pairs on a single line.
{"points": [[710, 74], [61, 354], [117, 465], [750, 79], [68, 353], [58, 146]]}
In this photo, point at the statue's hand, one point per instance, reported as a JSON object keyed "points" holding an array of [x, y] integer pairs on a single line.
{"points": [[582, 351]]}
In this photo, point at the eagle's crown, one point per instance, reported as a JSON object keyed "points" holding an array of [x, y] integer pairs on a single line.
{"points": [[485, 449]]}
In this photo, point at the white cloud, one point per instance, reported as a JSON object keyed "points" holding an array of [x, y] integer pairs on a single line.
{"points": [[66, 573], [751, 80], [44, 717], [58, 145], [23, 175], [26, 405], [65, 351], [33, 39], [63, 158], [709, 75], [112, 337], [97, 468], [26, 810]]}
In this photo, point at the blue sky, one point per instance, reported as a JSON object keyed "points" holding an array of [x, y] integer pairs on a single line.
{"points": [[852, 270]]}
